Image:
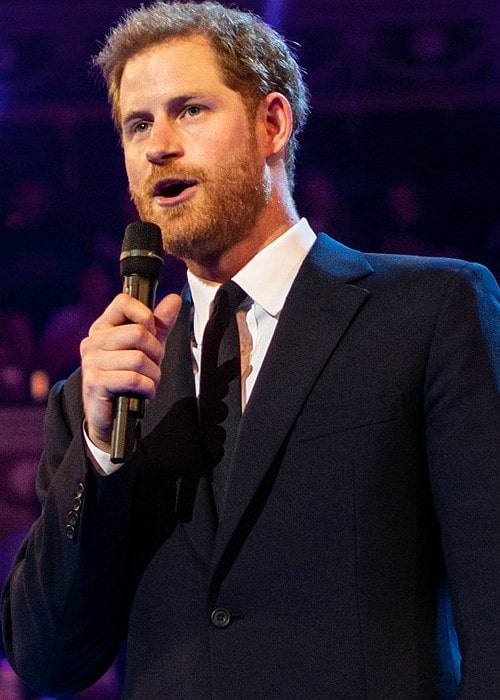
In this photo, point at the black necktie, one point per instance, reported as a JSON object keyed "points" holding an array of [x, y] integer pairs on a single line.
{"points": [[220, 387]]}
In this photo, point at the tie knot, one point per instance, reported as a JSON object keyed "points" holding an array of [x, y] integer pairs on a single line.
{"points": [[229, 294]]}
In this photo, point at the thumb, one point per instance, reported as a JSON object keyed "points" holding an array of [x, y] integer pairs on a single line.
{"points": [[165, 314]]}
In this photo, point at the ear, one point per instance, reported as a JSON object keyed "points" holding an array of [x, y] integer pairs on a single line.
{"points": [[274, 124]]}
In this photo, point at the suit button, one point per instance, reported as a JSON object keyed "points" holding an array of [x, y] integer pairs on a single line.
{"points": [[72, 518], [70, 532], [220, 617]]}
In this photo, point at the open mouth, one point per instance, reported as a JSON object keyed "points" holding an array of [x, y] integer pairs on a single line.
{"points": [[172, 188]]}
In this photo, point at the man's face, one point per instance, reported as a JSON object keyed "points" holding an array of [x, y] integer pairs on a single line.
{"points": [[191, 150]]}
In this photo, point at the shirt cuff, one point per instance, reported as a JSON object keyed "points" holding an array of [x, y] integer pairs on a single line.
{"points": [[99, 457]]}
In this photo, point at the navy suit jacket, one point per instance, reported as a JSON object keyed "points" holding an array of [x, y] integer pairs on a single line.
{"points": [[365, 485]]}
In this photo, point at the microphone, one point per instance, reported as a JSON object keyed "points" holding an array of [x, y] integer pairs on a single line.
{"points": [[141, 260]]}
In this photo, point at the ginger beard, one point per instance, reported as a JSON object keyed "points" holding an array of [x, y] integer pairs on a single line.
{"points": [[222, 212]]}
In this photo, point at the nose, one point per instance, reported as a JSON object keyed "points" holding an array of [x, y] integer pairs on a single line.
{"points": [[163, 142]]}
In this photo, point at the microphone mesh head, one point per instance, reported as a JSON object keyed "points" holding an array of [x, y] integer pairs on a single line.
{"points": [[142, 250], [143, 235]]}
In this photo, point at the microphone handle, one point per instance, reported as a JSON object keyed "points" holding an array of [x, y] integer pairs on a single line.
{"points": [[129, 408]]}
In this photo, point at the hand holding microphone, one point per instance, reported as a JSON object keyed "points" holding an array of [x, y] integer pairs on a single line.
{"points": [[122, 354], [141, 261]]}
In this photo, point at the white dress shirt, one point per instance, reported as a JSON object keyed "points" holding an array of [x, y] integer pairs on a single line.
{"points": [[266, 279]]}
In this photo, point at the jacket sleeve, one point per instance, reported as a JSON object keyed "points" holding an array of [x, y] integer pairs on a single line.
{"points": [[462, 407], [65, 603]]}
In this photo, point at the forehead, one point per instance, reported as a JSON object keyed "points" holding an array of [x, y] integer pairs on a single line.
{"points": [[179, 63]]}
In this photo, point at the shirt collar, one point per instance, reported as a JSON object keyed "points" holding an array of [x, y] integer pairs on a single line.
{"points": [[266, 278]]}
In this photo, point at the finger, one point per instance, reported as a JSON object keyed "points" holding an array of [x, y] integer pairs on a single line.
{"points": [[165, 315], [124, 309], [126, 337], [133, 360], [105, 385]]}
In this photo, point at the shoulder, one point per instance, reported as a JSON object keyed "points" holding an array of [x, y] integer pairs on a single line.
{"points": [[330, 252], [438, 275], [405, 281], [348, 264], [426, 265]]}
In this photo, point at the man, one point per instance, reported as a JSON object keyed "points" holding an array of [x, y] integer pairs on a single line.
{"points": [[364, 479]]}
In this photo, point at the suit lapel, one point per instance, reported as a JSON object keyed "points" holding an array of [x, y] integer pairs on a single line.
{"points": [[316, 314], [172, 441], [175, 402]]}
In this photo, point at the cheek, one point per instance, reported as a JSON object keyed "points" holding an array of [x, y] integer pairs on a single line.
{"points": [[206, 150], [133, 170], [222, 142]]}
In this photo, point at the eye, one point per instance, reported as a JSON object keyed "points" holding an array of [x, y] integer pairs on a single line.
{"points": [[140, 127], [193, 110]]}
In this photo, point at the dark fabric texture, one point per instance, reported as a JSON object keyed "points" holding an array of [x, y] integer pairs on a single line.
{"points": [[362, 517]]}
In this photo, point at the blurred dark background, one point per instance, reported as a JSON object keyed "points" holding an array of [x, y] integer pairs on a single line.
{"points": [[400, 155]]}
